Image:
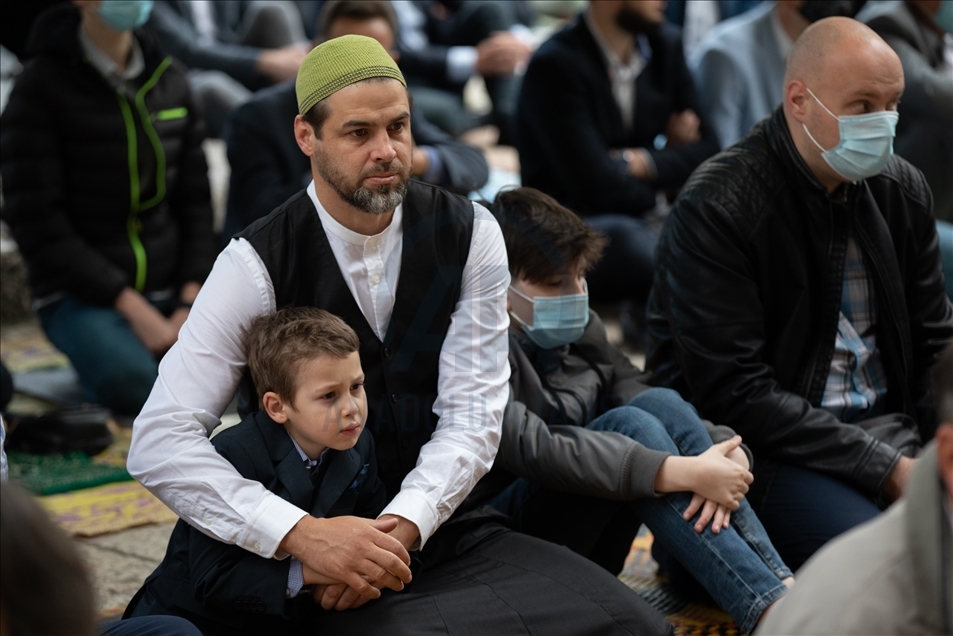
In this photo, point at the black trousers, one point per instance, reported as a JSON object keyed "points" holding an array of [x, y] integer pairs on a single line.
{"points": [[503, 582]]}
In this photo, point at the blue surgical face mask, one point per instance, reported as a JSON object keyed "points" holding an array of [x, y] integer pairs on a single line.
{"points": [[866, 143], [944, 17], [557, 320], [125, 15]]}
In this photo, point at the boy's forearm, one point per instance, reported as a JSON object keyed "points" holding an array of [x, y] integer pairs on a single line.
{"points": [[676, 474]]}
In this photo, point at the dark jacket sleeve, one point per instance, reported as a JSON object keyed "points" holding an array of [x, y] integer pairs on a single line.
{"points": [[931, 313], [192, 206], [227, 576], [674, 164], [574, 459], [708, 294], [558, 132], [36, 197], [465, 168], [261, 178], [429, 62], [180, 39]]}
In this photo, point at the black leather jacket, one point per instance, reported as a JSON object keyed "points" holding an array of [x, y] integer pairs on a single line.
{"points": [[744, 309]]}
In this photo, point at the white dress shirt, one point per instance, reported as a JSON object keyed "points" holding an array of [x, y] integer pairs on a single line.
{"points": [[622, 74], [171, 454]]}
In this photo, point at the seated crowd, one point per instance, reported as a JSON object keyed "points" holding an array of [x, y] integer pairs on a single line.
{"points": [[437, 434]]}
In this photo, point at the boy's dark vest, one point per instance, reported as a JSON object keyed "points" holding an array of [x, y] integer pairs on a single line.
{"points": [[400, 372]]}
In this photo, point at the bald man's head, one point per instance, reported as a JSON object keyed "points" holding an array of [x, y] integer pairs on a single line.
{"points": [[834, 39], [838, 68]]}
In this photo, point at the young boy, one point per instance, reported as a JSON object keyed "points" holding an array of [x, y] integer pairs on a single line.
{"points": [[304, 444], [595, 451]]}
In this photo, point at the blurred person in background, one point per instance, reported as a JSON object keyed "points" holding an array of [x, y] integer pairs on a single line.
{"points": [[106, 193], [232, 47], [920, 32]]}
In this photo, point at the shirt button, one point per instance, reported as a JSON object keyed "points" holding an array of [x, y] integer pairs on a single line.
{"points": [[394, 398], [207, 521], [257, 547], [376, 279]]}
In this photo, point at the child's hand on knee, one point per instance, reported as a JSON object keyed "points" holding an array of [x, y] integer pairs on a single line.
{"points": [[719, 515], [720, 479]]}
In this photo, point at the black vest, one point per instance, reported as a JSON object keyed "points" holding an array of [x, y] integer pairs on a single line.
{"points": [[400, 372]]}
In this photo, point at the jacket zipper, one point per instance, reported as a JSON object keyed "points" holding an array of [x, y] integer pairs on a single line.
{"points": [[133, 224]]}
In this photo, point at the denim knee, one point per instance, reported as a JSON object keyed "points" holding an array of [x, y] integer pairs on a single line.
{"points": [[657, 399], [636, 424]]}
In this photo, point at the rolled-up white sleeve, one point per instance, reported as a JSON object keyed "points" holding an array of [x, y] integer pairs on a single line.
{"points": [[472, 389], [171, 454]]}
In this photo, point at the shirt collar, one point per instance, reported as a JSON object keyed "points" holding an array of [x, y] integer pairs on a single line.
{"points": [[781, 37], [636, 61], [304, 456], [104, 64], [350, 236]]}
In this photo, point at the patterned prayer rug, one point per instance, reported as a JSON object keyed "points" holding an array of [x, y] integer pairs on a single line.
{"points": [[689, 619], [110, 508], [23, 348], [57, 473]]}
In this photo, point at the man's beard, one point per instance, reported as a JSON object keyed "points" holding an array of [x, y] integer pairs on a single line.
{"points": [[380, 200], [633, 23]]}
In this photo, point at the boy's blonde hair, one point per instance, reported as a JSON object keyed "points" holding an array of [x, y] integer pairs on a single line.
{"points": [[276, 345]]}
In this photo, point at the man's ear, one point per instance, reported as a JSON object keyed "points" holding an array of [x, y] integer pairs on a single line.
{"points": [[796, 97], [303, 135], [274, 406]]}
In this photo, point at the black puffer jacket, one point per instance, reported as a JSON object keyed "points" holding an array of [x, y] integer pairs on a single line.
{"points": [[744, 309], [88, 219]]}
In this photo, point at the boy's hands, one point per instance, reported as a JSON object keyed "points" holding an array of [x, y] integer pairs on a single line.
{"points": [[718, 478], [339, 596], [352, 551], [711, 510]]}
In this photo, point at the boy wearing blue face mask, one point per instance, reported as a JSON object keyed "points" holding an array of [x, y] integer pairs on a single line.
{"points": [[596, 452]]}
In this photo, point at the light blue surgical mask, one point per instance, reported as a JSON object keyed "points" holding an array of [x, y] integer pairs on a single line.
{"points": [[944, 17], [125, 15], [866, 143], [557, 320]]}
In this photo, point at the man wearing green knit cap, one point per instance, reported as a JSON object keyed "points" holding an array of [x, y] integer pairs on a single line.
{"points": [[421, 275]]}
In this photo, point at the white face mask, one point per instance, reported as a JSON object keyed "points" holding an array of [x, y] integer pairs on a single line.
{"points": [[866, 143]]}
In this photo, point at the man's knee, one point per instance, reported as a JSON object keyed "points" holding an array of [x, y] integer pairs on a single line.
{"points": [[635, 423], [125, 389]]}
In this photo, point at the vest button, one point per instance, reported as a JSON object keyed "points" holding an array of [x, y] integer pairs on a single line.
{"points": [[386, 352], [394, 398]]}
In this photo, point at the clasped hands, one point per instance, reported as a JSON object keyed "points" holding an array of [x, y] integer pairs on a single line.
{"points": [[718, 480], [725, 486], [351, 559]]}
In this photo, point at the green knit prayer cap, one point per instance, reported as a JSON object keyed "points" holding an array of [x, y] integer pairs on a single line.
{"points": [[340, 62]]}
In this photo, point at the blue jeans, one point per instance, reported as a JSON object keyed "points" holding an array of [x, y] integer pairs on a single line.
{"points": [[150, 626], [738, 567], [802, 510], [625, 270], [114, 367], [945, 231]]}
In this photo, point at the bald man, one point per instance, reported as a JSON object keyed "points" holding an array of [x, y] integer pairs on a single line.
{"points": [[798, 296], [894, 574]]}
